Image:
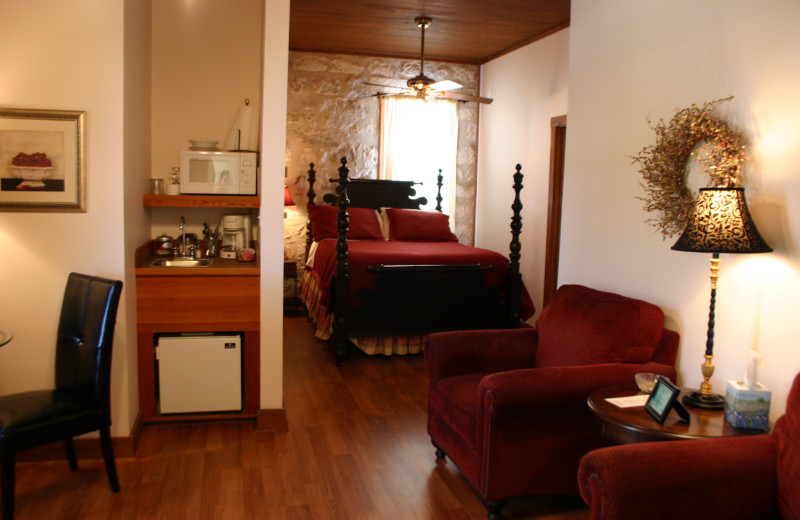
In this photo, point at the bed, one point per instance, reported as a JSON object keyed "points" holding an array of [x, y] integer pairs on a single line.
{"points": [[381, 273]]}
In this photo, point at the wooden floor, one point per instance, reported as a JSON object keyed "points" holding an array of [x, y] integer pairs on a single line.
{"points": [[356, 449]]}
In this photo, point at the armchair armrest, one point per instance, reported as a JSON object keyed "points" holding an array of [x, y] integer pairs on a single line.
{"points": [[546, 390], [466, 352], [732, 478]]}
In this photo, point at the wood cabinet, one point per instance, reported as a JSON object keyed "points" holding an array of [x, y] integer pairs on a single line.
{"points": [[221, 298], [197, 299]]}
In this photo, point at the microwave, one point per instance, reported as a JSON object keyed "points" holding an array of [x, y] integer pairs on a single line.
{"points": [[219, 173]]}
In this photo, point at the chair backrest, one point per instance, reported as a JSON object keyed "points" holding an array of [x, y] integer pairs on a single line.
{"points": [[85, 337], [584, 326], [787, 437]]}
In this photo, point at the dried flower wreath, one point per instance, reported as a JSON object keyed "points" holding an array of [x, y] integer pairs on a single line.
{"points": [[693, 132]]}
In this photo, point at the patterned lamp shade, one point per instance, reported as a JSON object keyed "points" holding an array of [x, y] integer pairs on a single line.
{"points": [[721, 224]]}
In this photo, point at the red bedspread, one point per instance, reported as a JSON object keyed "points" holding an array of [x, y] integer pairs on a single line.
{"points": [[364, 253]]}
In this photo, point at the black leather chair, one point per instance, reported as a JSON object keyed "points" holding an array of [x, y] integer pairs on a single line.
{"points": [[80, 402]]}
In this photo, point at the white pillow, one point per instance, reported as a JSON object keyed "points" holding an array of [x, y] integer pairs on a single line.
{"points": [[383, 219]]}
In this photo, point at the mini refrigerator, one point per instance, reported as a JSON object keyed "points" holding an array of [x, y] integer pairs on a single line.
{"points": [[199, 373]]}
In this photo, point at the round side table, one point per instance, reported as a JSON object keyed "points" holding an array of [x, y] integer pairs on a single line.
{"points": [[628, 425]]}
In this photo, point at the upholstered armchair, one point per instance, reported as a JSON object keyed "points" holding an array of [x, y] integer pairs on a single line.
{"points": [[508, 407], [736, 478]]}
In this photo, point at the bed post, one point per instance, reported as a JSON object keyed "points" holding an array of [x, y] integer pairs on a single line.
{"points": [[312, 177], [439, 182], [514, 290], [341, 285]]}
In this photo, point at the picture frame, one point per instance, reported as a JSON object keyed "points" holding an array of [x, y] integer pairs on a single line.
{"points": [[42, 160], [664, 398]]}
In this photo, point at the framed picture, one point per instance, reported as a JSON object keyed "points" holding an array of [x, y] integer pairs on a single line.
{"points": [[42, 160], [664, 398]]}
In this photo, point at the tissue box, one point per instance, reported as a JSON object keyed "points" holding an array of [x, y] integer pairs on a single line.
{"points": [[747, 408]]}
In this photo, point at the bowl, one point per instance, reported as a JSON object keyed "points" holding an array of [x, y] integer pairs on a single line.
{"points": [[199, 143], [32, 176], [645, 381]]}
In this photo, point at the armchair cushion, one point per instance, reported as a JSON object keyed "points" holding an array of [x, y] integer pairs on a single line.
{"points": [[583, 326]]}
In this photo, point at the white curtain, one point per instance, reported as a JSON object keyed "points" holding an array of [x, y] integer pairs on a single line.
{"points": [[418, 137]]}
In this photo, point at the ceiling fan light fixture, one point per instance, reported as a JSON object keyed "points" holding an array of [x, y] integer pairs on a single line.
{"points": [[424, 87], [419, 82]]}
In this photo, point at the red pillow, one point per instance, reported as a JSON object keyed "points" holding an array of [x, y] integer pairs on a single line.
{"points": [[584, 326], [363, 222], [414, 224]]}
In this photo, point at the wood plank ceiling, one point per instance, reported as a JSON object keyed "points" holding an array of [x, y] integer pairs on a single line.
{"points": [[463, 31]]}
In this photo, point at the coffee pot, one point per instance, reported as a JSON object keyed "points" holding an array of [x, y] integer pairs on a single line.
{"points": [[235, 230]]}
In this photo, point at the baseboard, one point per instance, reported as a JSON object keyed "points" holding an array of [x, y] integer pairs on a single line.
{"points": [[272, 420], [86, 448]]}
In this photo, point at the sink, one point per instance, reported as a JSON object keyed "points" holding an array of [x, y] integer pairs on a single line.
{"points": [[181, 262]]}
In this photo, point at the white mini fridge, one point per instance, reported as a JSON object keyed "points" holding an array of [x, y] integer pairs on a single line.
{"points": [[199, 373]]}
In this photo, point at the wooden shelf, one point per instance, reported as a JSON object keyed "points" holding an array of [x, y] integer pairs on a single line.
{"points": [[202, 201]]}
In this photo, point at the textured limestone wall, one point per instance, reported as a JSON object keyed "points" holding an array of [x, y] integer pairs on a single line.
{"points": [[332, 113]]}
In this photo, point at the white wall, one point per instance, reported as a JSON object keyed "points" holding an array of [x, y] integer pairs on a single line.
{"points": [[68, 56], [529, 87], [273, 157], [630, 60], [206, 62]]}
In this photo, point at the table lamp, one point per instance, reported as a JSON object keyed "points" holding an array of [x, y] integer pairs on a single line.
{"points": [[721, 223]]}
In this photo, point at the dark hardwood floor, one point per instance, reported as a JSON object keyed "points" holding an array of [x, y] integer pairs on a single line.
{"points": [[356, 449]]}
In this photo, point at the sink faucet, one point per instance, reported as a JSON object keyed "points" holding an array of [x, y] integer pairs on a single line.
{"points": [[183, 236]]}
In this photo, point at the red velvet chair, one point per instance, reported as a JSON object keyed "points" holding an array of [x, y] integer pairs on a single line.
{"points": [[746, 477], [509, 406]]}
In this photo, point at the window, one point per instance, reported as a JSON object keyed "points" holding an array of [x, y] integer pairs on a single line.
{"points": [[418, 138]]}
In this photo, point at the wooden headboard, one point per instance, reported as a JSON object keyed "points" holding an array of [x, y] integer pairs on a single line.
{"points": [[376, 194]]}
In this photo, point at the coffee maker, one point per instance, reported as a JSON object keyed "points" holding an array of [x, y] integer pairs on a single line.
{"points": [[235, 231]]}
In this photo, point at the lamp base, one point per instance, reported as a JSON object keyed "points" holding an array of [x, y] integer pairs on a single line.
{"points": [[704, 401]]}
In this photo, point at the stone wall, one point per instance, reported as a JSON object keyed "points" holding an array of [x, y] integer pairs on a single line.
{"points": [[332, 113]]}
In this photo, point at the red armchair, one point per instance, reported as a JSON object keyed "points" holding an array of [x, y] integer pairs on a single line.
{"points": [[734, 478], [509, 406]]}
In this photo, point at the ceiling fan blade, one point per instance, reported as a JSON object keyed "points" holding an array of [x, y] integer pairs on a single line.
{"points": [[376, 94], [384, 85], [464, 97], [444, 85]]}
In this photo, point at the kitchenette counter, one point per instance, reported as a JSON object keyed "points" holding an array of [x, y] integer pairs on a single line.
{"points": [[219, 266], [223, 297]]}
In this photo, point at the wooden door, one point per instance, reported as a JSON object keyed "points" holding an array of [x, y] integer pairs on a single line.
{"points": [[558, 138]]}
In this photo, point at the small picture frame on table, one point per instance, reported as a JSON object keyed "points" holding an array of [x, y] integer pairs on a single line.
{"points": [[664, 398]]}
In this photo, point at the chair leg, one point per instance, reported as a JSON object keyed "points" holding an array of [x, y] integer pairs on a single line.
{"points": [[69, 447], [494, 508], [440, 454], [108, 457], [7, 460]]}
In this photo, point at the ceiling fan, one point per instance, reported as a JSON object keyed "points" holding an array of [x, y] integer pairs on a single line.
{"points": [[422, 86]]}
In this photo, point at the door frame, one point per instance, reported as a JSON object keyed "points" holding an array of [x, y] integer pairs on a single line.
{"points": [[558, 139]]}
